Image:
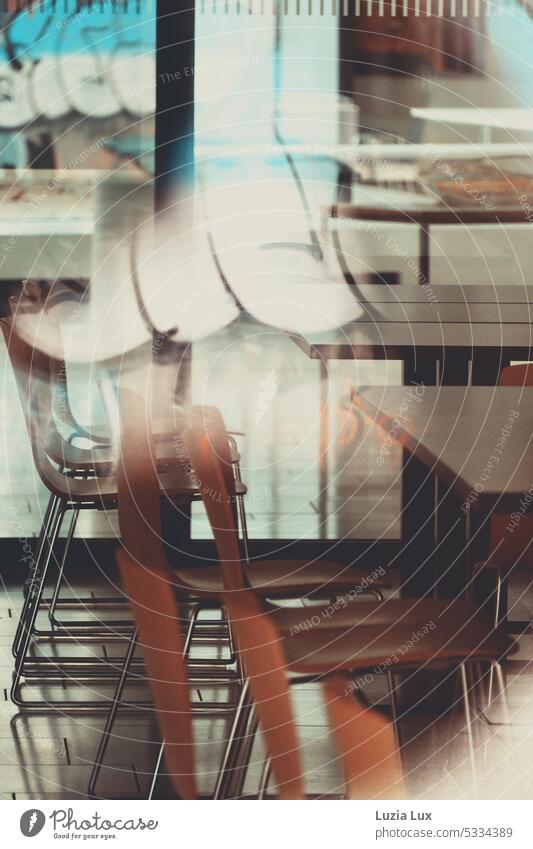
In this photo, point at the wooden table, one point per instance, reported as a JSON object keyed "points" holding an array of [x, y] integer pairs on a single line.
{"points": [[443, 294], [431, 352], [470, 328], [519, 119], [66, 223], [424, 216], [453, 432]]}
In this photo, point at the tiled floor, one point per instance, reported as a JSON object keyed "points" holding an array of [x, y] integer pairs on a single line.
{"points": [[50, 754]]}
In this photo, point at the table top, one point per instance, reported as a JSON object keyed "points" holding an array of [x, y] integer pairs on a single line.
{"points": [[352, 154], [417, 210], [442, 294], [458, 431], [401, 340], [507, 118], [449, 313], [53, 222], [395, 322]]}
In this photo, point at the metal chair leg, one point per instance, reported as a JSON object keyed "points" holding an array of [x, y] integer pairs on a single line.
{"points": [[240, 502], [468, 718], [240, 720], [265, 778], [394, 710], [238, 776], [497, 605], [35, 595], [187, 647], [106, 734], [503, 691], [244, 528], [498, 600], [49, 517], [155, 775], [189, 638], [59, 581]]}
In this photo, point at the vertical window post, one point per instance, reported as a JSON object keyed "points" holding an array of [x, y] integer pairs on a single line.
{"points": [[174, 118]]}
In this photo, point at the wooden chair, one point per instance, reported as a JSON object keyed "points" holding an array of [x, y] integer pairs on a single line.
{"points": [[355, 639], [141, 532]]}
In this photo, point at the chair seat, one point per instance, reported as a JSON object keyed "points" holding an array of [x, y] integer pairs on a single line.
{"points": [[99, 459], [284, 579], [320, 578], [102, 491], [381, 636]]}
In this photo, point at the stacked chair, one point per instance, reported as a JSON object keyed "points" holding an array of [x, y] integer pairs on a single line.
{"points": [[77, 479]]}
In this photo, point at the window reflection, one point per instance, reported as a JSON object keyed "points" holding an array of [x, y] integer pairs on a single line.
{"points": [[77, 85]]}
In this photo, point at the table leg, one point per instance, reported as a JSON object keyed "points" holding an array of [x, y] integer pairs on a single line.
{"points": [[486, 367], [423, 254], [418, 500], [323, 448], [451, 548], [174, 388], [424, 521], [416, 559], [453, 369], [450, 527]]}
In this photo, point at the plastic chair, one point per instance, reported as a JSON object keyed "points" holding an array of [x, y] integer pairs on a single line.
{"points": [[59, 466]]}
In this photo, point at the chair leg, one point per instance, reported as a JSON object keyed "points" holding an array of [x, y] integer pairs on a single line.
{"points": [[244, 755], [240, 503], [394, 710], [498, 600], [231, 753], [265, 778], [468, 718], [49, 517], [35, 594], [244, 528], [497, 605], [503, 691], [110, 721], [59, 581], [157, 767]]}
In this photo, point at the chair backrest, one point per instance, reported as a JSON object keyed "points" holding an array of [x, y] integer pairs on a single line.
{"points": [[36, 376], [256, 637], [42, 302], [148, 581], [31, 368], [511, 535]]}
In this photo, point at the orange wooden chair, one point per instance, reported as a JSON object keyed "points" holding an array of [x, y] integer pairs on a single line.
{"points": [[138, 483], [355, 639]]}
